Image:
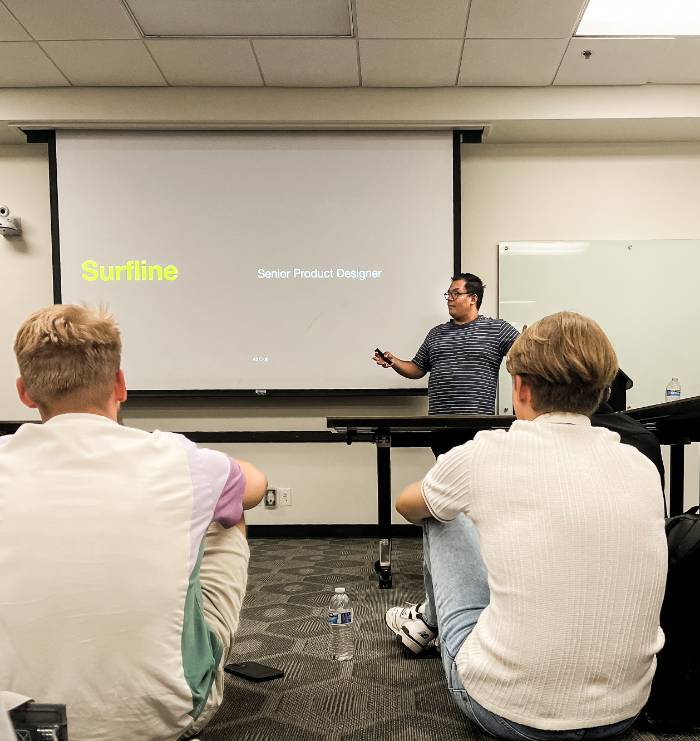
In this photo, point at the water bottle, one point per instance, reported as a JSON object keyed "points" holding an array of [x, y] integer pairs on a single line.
{"points": [[340, 619], [673, 390]]}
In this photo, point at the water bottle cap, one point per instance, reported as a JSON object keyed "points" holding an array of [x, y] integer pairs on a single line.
{"points": [[340, 590]]}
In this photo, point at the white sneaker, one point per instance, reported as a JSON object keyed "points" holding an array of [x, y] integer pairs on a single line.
{"points": [[410, 629]]}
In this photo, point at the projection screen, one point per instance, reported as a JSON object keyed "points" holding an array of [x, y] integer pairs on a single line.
{"points": [[251, 262]]}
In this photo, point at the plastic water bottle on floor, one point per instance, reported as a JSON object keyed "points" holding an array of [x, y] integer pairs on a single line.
{"points": [[340, 620], [673, 390]]}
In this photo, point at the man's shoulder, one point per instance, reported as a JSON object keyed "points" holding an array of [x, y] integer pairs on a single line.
{"points": [[494, 322], [439, 329]]}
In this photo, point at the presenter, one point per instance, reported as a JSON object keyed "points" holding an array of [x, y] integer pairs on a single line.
{"points": [[463, 357]]}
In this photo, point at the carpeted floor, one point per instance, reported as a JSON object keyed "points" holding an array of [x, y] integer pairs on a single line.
{"points": [[379, 696]]}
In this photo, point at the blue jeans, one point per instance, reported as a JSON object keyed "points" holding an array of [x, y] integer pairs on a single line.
{"points": [[457, 590]]}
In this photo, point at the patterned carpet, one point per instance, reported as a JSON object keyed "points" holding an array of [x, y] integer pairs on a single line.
{"points": [[381, 695]]}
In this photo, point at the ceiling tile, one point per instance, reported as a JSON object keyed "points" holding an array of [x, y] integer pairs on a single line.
{"points": [[523, 19], [308, 62], [122, 63], [74, 19], [10, 29], [242, 17], [206, 61], [630, 62], [24, 64], [510, 62], [425, 63], [418, 19]]}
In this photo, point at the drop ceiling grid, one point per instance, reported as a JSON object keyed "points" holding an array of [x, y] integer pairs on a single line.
{"points": [[397, 43]]}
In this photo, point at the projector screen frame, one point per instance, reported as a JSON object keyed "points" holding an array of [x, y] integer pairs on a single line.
{"points": [[459, 137]]}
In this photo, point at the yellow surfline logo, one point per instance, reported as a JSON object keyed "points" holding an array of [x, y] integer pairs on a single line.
{"points": [[131, 270]]}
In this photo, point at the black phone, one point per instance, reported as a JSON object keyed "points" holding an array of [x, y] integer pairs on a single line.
{"points": [[253, 671], [377, 351]]}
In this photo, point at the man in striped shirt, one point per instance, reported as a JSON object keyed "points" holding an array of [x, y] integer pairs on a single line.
{"points": [[463, 357]]}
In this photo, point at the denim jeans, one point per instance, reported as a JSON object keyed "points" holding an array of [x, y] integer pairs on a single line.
{"points": [[457, 590]]}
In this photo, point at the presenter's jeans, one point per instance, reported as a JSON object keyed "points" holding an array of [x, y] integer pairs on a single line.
{"points": [[456, 589]]}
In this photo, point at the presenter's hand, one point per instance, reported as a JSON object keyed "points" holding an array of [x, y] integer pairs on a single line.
{"points": [[384, 363]]}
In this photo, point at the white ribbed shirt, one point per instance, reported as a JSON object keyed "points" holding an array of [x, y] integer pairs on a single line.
{"points": [[571, 529]]}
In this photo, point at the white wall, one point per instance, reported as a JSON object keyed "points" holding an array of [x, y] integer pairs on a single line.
{"points": [[25, 262], [579, 192], [509, 192]]}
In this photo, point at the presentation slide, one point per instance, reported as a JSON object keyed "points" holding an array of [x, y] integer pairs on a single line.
{"points": [[258, 261]]}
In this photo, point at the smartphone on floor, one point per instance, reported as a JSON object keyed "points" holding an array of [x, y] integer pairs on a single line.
{"points": [[253, 671]]}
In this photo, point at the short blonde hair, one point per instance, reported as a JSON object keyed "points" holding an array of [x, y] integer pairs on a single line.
{"points": [[66, 350], [567, 361]]}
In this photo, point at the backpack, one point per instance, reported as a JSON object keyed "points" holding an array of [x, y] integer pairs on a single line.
{"points": [[673, 704]]}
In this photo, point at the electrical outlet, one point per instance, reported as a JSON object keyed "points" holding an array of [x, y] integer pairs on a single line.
{"points": [[284, 497], [270, 499]]}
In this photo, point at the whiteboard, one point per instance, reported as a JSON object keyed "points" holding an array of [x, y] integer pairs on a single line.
{"points": [[644, 294]]}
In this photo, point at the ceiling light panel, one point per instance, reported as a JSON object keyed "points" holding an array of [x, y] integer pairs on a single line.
{"points": [[641, 18], [226, 18]]}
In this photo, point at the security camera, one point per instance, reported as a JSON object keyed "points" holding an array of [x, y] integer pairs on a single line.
{"points": [[9, 227]]}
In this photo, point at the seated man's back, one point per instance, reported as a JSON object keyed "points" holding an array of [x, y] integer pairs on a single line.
{"points": [[101, 531], [104, 530], [570, 525]]}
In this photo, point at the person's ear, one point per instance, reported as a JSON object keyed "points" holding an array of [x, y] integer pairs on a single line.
{"points": [[521, 390], [120, 392], [23, 395]]}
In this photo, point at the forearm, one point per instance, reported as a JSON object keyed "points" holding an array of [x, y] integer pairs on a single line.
{"points": [[407, 368]]}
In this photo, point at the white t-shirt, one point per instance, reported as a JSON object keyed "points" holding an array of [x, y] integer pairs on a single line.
{"points": [[101, 538], [571, 529]]}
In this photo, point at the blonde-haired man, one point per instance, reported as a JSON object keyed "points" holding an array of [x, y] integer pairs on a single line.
{"points": [[123, 556], [544, 552]]}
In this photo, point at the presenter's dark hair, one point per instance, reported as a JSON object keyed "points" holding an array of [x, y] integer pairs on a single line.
{"points": [[473, 285]]}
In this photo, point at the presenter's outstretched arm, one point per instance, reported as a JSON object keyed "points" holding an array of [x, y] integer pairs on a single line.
{"points": [[405, 368]]}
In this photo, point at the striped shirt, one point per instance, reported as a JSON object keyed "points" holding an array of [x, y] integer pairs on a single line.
{"points": [[463, 361]]}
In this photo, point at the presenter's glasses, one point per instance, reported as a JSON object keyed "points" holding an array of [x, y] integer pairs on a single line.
{"points": [[454, 294]]}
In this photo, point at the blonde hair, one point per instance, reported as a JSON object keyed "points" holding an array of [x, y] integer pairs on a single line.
{"points": [[66, 350], [567, 361]]}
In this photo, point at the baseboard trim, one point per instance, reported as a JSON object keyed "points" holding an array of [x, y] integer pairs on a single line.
{"points": [[330, 531]]}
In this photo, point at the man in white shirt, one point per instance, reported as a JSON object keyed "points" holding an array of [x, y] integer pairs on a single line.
{"points": [[545, 553], [123, 555]]}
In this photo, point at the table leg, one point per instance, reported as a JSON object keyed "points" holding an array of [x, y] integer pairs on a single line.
{"points": [[675, 506], [383, 564]]}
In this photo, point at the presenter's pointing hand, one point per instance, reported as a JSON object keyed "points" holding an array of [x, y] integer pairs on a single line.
{"points": [[385, 360]]}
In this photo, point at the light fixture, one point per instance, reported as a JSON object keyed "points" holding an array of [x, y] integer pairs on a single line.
{"points": [[640, 18]]}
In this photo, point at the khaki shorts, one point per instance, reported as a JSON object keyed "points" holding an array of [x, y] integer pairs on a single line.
{"points": [[223, 574]]}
